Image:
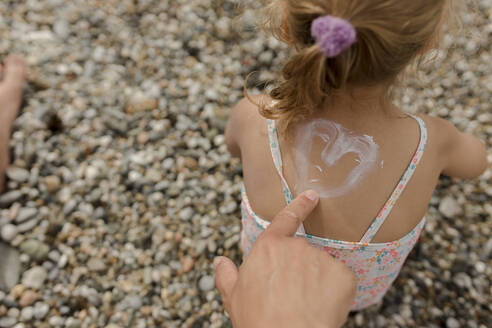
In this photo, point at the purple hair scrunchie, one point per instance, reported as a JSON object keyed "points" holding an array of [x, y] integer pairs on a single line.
{"points": [[333, 34]]}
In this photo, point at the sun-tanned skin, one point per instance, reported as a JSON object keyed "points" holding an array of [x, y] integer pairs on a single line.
{"points": [[448, 152], [12, 76]]}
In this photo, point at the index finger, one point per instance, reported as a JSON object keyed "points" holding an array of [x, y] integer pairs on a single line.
{"points": [[289, 219]]}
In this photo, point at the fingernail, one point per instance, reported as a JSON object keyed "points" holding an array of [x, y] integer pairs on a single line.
{"points": [[217, 261], [312, 195]]}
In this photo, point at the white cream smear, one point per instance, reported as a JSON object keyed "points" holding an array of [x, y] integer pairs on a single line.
{"points": [[337, 142]]}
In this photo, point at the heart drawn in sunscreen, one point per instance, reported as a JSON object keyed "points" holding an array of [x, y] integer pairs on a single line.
{"points": [[339, 142]]}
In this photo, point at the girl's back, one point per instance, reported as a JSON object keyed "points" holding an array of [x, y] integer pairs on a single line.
{"points": [[346, 217]]}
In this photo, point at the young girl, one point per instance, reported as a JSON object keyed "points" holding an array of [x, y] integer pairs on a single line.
{"points": [[330, 125]]}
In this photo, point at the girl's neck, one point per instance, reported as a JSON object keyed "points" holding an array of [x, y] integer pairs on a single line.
{"points": [[361, 102]]}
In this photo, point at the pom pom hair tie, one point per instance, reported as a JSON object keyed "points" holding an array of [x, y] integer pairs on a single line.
{"points": [[333, 34]]}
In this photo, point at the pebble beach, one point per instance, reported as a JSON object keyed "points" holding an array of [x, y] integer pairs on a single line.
{"points": [[121, 190]]}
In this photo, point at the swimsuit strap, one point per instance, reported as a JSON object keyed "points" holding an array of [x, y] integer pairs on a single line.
{"points": [[277, 161], [388, 206]]}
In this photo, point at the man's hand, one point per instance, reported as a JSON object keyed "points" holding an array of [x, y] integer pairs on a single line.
{"points": [[284, 281]]}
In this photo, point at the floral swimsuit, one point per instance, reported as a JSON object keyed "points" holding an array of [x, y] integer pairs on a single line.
{"points": [[376, 264]]}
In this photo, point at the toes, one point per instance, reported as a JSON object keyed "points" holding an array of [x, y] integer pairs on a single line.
{"points": [[15, 70]]}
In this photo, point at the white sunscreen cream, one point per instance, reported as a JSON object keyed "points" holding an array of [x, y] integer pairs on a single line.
{"points": [[337, 142]]}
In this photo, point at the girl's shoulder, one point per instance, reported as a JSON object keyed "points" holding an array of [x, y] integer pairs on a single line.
{"points": [[460, 155], [244, 119], [247, 108]]}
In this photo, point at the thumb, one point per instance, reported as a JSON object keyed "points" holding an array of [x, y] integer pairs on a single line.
{"points": [[226, 275]]}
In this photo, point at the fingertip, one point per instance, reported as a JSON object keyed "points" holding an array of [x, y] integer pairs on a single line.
{"points": [[311, 195], [226, 274], [217, 261]]}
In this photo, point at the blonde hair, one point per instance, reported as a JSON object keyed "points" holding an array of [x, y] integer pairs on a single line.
{"points": [[391, 34]]}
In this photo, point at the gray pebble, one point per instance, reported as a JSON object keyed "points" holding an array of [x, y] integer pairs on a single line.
{"points": [[9, 231], [17, 174], [41, 309], [10, 267], [25, 213], [27, 313], [72, 323], [206, 283], [69, 206], [186, 213], [7, 322], [36, 249], [96, 264], [10, 197], [129, 302], [34, 278], [28, 225], [449, 207], [56, 321], [452, 323]]}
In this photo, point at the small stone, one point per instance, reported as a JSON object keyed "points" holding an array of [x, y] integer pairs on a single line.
{"points": [[223, 27], [480, 267], [52, 183], [28, 225], [449, 207], [17, 291], [10, 197], [27, 313], [452, 323], [129, 302], [56, 321], [211, 246], [186, 213], [228, 207], [7, 322], [72, 323], [168, 164], [187, 264], [41, 309], [231, 241], [190, 163], [14, 211], [17, 174], [9, 231], [143, 138], [10, 267], [206, 283], [69, 206], [91, 173], [96, 264], [13, 312], [35, 277], [61, 28], [26, 214], [62, 261], [35, 249], [463, 280], [141, 104], [28, 298], [359, 319]]}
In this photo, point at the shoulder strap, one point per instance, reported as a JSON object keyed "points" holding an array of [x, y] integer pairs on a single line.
{"points": [[388, 206], [277, 161]]}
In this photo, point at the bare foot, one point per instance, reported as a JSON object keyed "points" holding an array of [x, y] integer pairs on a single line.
{"points": [[11, 90]]}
